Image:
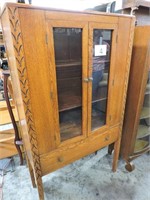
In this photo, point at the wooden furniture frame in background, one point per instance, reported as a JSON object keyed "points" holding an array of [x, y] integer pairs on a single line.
{"points": [[17, 141], [140, 66]]}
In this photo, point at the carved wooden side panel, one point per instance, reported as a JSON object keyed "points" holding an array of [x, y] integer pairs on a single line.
{"points": [[117, 143], [128, 68], [24, 85]]}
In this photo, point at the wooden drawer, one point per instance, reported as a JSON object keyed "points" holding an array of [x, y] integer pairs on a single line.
{"points": [[66, 155]]}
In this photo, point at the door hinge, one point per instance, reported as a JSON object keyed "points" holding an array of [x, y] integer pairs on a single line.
{"points": [[55, 137], [113, 81], [51, 95], [116, 38], [109, 117], [46, 39]]}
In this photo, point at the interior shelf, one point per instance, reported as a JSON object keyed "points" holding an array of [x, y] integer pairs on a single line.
{"points": [[143, 131], [145, 113], [6, 137], [140, 145], [3, 105], [98, 120], [70, 130], [69, 101], [68, 63]]}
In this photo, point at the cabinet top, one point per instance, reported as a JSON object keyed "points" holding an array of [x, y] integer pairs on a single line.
{"points": [[27, 6]]}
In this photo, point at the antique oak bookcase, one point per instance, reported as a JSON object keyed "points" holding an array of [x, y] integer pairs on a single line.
{"points": [[69, 73], [136, 131]]}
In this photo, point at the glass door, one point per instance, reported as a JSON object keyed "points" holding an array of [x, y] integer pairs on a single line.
{"points": [[70, 52], [142, 142], [101, 61]]}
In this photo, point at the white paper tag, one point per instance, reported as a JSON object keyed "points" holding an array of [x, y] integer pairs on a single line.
{"points": [[100, 50]]}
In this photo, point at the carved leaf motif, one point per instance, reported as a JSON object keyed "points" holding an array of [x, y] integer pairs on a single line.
{"points": [[22, 72]]}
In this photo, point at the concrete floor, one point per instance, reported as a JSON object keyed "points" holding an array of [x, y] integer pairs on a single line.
{"points": [[89, 178]]}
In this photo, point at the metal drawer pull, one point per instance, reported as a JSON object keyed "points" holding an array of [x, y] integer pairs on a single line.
{"points": [[60, 159], [107, 138], [90, 78], [86, 80]]}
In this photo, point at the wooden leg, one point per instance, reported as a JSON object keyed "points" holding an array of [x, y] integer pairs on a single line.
{"points": [[31, 173], [36, 180], [39, 186], [116, 154]]}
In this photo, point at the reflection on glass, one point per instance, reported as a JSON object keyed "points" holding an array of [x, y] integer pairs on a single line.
{"points": [[68, 55], [100, 74], [143, 133]]}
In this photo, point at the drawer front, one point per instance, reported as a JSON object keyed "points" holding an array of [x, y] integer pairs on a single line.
{"points": [[68, 154]]}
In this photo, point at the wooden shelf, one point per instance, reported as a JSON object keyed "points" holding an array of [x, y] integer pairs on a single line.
{"points": [[140, 145], [69, 89], [7, 147], [5, 117], [143, 131], [3, 105], [69, 101], [98, 100], [98, 120], [70, 130], [68, 63], [6, 136], [145, 113]]}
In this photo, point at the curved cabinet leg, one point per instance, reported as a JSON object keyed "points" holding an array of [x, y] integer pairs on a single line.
{"points": [[17, 141], [19, 150], [129, 167]]}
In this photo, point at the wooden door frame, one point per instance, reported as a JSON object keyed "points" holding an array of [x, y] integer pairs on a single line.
{"points": [[50, 46], [114, 28]]}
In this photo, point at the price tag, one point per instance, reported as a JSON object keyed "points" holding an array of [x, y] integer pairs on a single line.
{"points": [[100, 50]]}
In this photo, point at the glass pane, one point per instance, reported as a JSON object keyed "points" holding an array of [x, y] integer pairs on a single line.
{"points": [[100, 74], [68, 55], [143, 132]]}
